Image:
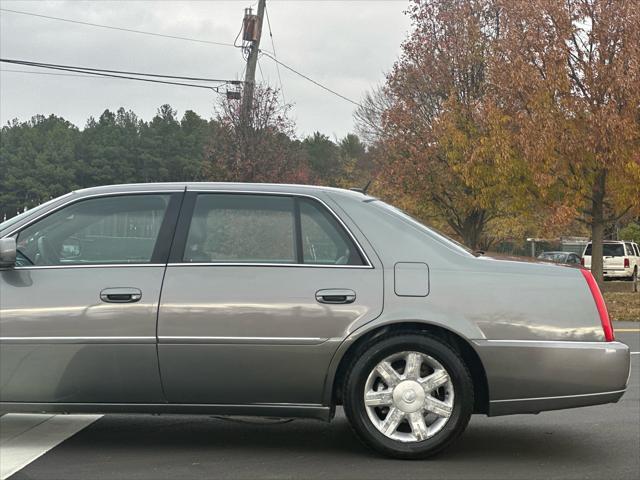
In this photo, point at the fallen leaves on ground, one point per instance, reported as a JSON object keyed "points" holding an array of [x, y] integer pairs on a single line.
{"points": [[623, 306]]}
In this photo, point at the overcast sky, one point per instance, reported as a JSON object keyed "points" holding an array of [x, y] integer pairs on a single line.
{"points": [[347, 45]]}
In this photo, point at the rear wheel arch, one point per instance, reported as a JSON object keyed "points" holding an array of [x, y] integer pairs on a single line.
{"points": [[460, 344]]}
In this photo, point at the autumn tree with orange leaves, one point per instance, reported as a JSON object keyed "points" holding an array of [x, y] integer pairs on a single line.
{"points": [[567, 75], [507, 112], [446, 153]]}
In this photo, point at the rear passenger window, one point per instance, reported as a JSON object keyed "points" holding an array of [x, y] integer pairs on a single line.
{"points": [[324, 241], [264, 229], [241, 229]]}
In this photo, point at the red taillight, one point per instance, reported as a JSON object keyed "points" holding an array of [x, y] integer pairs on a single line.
{"points": [[626, 263], [582, 261], [600, 305]]}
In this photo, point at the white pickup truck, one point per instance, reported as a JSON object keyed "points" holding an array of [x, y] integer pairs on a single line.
{"points": [[620, 259]]}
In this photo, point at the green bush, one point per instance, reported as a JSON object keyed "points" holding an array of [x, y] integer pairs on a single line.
{"points": [[631, 232]]}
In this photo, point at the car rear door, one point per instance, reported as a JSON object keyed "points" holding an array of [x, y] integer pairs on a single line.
{"points": [[78, 312], [260, 290]]}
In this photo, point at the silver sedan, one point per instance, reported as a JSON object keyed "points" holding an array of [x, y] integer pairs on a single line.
{"points": [[288, 301]]}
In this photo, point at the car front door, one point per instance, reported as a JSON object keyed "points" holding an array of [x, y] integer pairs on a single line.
{"points": [[259, 292], [78, 311]]}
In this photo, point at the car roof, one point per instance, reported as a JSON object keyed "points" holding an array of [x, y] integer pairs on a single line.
{"points": [[612, 241], [225, 186]]}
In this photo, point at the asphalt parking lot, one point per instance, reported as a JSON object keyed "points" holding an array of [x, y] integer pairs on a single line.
{"points": [[594, 442]]}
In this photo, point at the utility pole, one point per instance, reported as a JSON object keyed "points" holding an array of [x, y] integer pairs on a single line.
{"points": [[252, 31]]}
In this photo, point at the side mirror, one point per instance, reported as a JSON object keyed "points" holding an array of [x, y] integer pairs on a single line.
{"points": [[7, 252]]}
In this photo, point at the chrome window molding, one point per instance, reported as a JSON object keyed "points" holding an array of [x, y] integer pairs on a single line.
{"points": [[361, 250], [257, 264], [355, 241], [85, 197], [93, 265]]}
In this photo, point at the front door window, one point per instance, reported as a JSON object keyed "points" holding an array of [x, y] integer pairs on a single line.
{"points": [[107, 230]]}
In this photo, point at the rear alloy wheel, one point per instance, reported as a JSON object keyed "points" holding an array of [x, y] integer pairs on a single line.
{"points": [[408, 396]]}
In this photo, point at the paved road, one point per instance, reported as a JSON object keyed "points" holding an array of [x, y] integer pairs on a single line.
{"points": [[595, 442]]}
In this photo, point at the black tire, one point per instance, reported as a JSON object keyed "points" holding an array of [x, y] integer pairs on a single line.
{"points": [[367, 359]]}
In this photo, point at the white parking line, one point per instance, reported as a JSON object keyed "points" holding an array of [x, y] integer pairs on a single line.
{"points": [[26, 437]]}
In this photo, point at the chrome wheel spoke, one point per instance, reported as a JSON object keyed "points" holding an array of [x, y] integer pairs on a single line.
{"points": [[412, 366], [392, 421], [405, 406], [388, 374], [379, 399], [433, 381], [437, 406], [418, 425]]}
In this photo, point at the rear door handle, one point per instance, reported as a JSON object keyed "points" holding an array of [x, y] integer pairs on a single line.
{"points": [[336, 296], [121, 295]]}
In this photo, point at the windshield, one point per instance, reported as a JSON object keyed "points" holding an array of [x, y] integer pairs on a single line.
{"points": [[553, 257], [609, 250], [17, 218], [441, 237]]}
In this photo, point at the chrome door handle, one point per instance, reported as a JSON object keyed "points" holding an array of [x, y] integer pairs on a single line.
{"points": [[120, 295], [336, 296]]}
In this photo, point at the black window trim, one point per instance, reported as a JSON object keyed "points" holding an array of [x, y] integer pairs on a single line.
{"points": [[159, 256], [182, 231], [297, 231]]}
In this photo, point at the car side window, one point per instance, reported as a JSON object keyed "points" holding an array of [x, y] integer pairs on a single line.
{"points": [[324, 241], [265, 229], [630, 251], [107, 230], [240, 228]]}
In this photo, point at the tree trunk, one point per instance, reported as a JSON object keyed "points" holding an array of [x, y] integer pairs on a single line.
{"points": [[471, 228], [597, 225]]}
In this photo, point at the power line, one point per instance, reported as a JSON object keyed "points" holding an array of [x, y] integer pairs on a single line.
{"points": [[88, 75], [273, 46], [176, 37], [122, 29], [46, 73], [55, 66], [125, 77], [309, 79]]}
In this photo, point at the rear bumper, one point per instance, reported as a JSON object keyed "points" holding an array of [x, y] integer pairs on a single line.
{"points": [[621, 273], [533, 376]]}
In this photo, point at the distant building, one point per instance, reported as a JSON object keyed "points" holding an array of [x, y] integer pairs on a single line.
{"points": [[574, 244]]}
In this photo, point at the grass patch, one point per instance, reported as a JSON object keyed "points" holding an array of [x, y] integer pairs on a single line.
{"points": [[623, 306]]}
